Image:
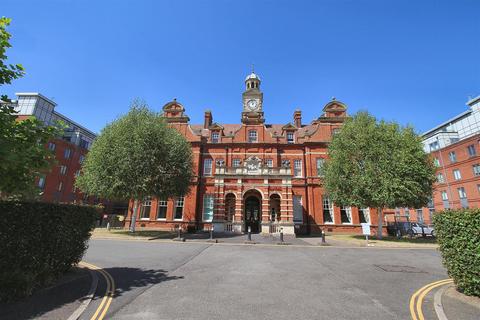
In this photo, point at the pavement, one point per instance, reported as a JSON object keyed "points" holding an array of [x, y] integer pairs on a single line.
{"points": [[57, 301], [162, 279]]}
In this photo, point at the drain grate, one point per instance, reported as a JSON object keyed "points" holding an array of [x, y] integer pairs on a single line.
{"points": [[395, 268]]}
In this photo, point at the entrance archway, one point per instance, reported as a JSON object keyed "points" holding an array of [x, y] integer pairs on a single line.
{"points": [[252, 216]]}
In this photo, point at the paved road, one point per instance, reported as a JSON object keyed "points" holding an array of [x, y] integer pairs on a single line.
{"points": [[158, 280]]}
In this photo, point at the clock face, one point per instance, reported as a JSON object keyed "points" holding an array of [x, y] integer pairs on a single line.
{"points": [[252, 104]]}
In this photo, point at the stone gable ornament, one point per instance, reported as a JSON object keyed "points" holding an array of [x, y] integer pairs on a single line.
{"points": [[253, 164], [220, 163], [286, 163]]}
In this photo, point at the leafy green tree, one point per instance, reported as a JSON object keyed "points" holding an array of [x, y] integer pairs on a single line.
{"points": [[378, 165], [23, 156], [138, 156]]}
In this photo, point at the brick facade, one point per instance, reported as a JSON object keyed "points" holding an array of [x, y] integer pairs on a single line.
{"points": [[257, 175]]}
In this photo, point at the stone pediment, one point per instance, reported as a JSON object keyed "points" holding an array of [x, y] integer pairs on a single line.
{"points": [[335, 106], [289, 126], [215, 126]]}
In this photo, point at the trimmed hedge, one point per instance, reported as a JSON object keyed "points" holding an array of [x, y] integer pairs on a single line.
{"points": [[458, 233], [38, 242]]}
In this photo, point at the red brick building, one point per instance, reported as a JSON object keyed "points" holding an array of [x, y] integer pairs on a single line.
{"points": [[70, 151], [256, 175], [455, 148]]}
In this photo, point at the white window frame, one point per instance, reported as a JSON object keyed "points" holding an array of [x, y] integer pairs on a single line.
{"points": [[476, 170], [51, 146], [320, 171], [290, 137], [462, 194], [366, 214], [297, 168], [457, 175], [452, 156], [63, 170], [208, 203], [269, 163], [207, 166], [146, 203], [252, 136], [440, 178], [348, 213], [60, 186], [471, 150], [179, 203], [162, 204], [444, 195], [215, 137], [436, 162], [236, 163], [327, 203], [67, 153]]}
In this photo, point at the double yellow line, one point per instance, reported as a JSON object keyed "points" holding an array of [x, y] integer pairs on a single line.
{"points": [[109, 292], [417, 298]]}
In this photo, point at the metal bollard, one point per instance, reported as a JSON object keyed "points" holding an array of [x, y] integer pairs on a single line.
{"points": [[281, 234], [323, 236], [108, 226], [249, 233], [211, 232], [179, 232]]}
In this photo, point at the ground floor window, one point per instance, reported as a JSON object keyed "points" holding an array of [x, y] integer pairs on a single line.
{"points": [[297, 209], [346, 214], [420, 215], [208, 207], [162, 209], [327, 210], [145, 209], [179, 208], [364, 215]]}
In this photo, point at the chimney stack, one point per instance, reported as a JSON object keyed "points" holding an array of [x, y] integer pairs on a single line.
{"points": [[208, 119], [297, 118]]}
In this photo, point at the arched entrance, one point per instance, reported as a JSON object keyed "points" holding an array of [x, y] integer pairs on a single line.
{"points": [[252, 216], [274, 207]]}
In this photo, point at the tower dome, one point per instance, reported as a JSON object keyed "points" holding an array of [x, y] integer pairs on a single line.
{"points": [[252, 75]]}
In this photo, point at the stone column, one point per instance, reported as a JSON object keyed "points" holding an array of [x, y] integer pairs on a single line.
{"points": [[238, 225], [219, 206]]}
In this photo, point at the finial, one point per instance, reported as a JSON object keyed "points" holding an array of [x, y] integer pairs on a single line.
{"points": [[253, 68], [333, 99]]}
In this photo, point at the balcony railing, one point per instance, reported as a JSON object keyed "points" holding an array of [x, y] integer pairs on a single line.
{"points": [[245, 171]]}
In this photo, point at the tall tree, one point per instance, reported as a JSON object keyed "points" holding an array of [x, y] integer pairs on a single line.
{"points": [[23, 156], [138, 156], [378, 165]]}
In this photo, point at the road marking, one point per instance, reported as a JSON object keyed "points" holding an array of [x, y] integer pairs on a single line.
{"points": [[109, 292], [417, 298]]}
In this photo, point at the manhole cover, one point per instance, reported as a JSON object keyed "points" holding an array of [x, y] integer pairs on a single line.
{"points": [[395, 268]]}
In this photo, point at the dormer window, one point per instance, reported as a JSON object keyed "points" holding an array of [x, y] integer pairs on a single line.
{"points": [[252, 136], [215, 137], [290, 137]]}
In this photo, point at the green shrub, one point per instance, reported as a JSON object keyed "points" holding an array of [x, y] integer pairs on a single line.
{"points": [[458, 233], [38, 242]]}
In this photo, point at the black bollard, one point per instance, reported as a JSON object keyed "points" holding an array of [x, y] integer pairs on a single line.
{"points": [[179, 232], [281, 235], [323, 236], [249, 233]]}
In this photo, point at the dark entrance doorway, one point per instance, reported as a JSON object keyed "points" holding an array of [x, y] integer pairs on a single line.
{"points": [[253, 215]]}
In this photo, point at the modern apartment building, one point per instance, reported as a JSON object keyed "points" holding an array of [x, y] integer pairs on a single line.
{"points": [[70, 150], [455, 148]]}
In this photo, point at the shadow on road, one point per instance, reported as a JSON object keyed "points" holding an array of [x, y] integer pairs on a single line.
{"points": [[61, 299]]}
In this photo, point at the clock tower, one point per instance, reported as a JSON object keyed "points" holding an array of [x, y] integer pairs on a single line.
{"points": [[252, 99]]}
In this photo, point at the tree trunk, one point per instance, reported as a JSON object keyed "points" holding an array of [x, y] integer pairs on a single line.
{"points": [[380, 223], [134, 216]]}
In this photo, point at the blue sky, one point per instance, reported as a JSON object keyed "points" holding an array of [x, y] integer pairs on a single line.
{"points": [[415, 62]]}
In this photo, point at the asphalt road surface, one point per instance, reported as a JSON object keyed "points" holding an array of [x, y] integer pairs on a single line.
{"points": [[158, 280]]}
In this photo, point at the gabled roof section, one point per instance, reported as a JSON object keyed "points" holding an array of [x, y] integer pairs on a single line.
{"points": [[215, 126], [289, 126], [174, 112], [335, 106]]}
